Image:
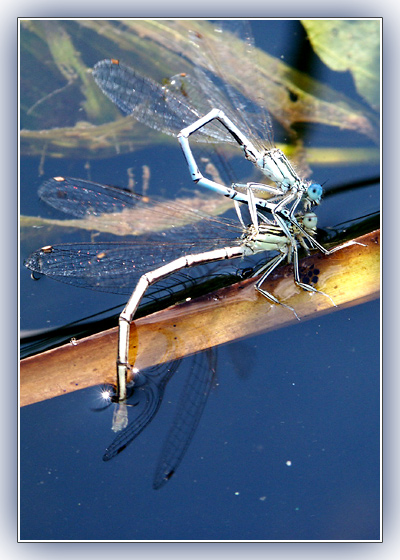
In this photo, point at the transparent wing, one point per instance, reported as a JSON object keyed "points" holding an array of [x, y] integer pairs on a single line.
{"points": [[81, 198], [116, 267], [111, 267], [162, 108], [221, 79], [220, 56]]}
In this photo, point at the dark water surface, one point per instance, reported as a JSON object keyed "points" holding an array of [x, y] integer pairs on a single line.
{"points": [[308, 394]]}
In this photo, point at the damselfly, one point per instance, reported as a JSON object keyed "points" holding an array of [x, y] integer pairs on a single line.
{"points": [[186, 106], [106, 266]]}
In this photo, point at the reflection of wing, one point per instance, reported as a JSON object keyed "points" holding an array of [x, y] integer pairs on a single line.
{"points": [[153, 391], [189, 410]]}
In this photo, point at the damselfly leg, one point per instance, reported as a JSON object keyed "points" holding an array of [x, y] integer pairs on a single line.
{"points": [[187, 238], [171, 110], [254, 240], [289, 189]]}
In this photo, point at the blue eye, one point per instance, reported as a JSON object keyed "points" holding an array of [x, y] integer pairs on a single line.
{"points": [[314, 192]]}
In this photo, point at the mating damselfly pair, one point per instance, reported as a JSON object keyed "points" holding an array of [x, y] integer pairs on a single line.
{"points": [[275, 224]]}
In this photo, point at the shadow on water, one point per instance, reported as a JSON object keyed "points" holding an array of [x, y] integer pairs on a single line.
{"points": [[144, 399]]}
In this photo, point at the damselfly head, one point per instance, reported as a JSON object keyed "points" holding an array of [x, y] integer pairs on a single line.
{"points": [[314, 193], [310, 221]]}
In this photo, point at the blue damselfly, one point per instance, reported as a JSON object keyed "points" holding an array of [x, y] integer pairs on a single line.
{"points": [[206, 239], [198, 106]]}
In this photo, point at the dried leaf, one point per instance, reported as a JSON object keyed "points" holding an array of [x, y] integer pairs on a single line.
{"points": [[350, 276]]}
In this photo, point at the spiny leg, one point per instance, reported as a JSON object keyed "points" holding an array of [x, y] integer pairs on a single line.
{"points": [[303, 285], [268, 268]]}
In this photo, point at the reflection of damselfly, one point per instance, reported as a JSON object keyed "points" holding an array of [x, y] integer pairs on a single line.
{"points": [[132, 416], [214, 111], [108, 266]]}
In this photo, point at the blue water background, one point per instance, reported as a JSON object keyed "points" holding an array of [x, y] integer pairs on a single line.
{"points": [[307, 394]]}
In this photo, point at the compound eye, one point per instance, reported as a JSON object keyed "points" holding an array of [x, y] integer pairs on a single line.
{"points": [[314, 192], [310, 221]]}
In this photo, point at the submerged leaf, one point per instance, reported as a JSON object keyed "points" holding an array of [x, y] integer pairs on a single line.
{"points": [[352, 45], [135, 221], [289, 95], [53, 94]]}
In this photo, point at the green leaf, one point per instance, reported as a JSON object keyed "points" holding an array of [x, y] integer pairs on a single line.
{"points": [[352, 45]]}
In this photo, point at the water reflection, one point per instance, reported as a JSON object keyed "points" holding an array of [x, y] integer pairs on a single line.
{"points": [[131, 417]]}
